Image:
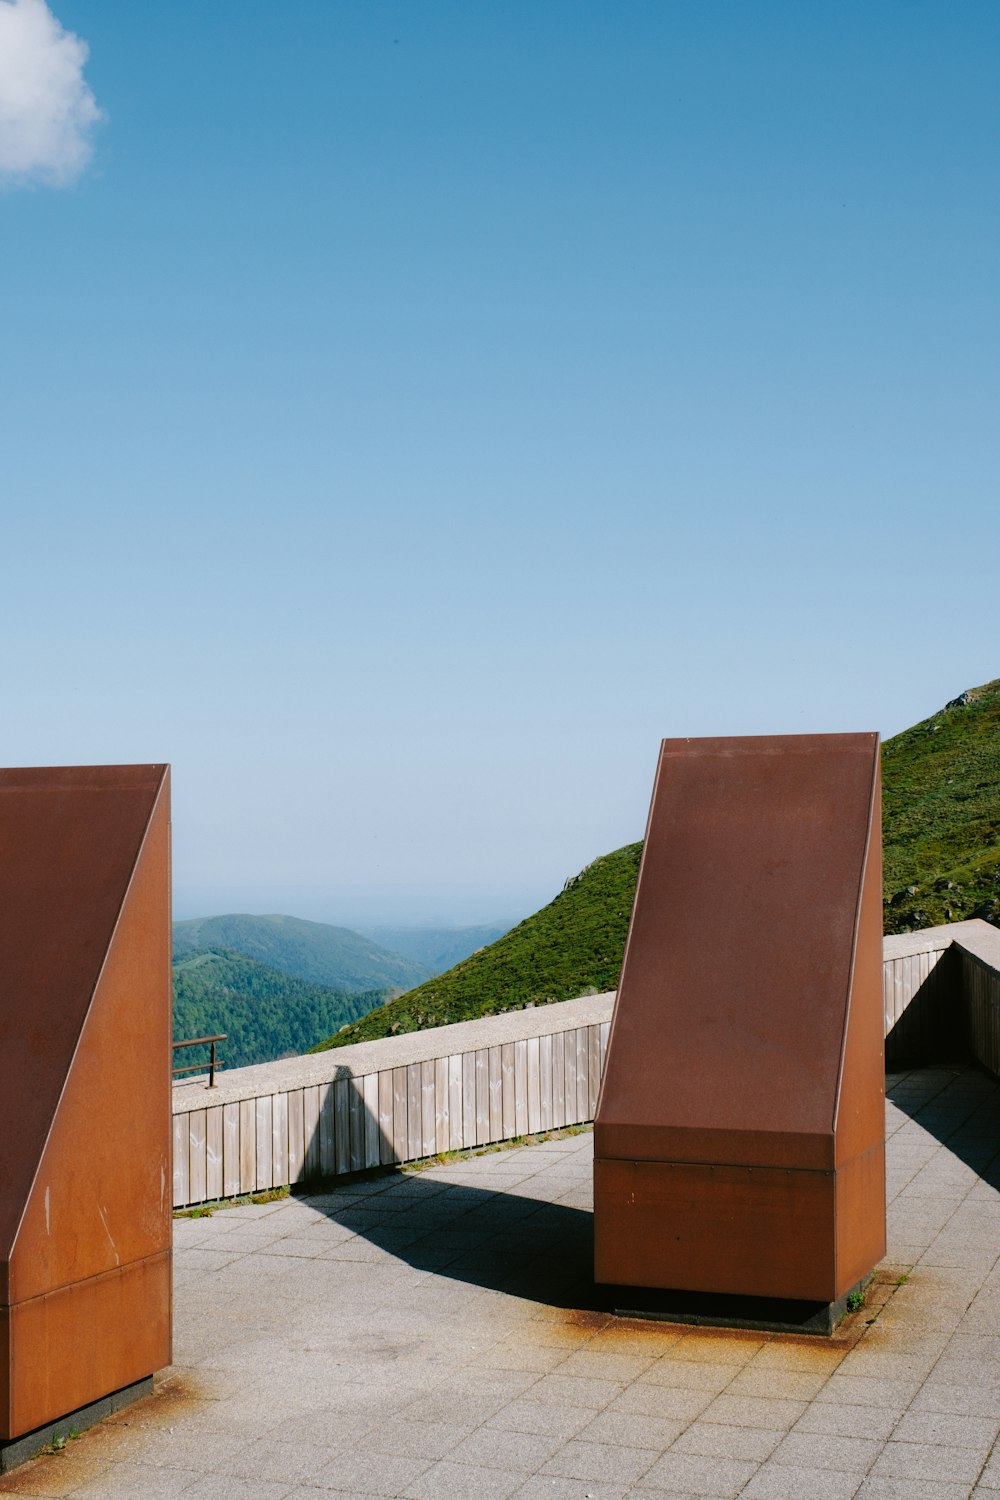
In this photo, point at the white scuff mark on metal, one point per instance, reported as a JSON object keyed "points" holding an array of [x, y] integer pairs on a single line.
{"points": [[111, 1238]]}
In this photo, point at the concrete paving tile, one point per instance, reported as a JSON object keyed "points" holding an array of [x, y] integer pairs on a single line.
{"points": [[415, 1439], [692, 1474], [545, 1417], [879, 1488], [226, 1487], [990, 1477], [517, 1353], [857, 1390], [367, 1473], [847, 1421], [978, 1400], [953, 1429], [451, 1481], [714, 1440], [926, 1461], [497, 1448], [663, 1401], [574, 1390], [717, 1348], [631, 1430], [779, 1482], [784, 1354], [271, 1459], [597, 1364], [541, 1487], [600, 1462], [694, 1375], [814, 1450], [796, 1385], [129, 1481], [323, 1428], [754, 1411]]}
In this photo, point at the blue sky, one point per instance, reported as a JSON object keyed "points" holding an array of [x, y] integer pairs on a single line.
{"points": [[413, 412]]}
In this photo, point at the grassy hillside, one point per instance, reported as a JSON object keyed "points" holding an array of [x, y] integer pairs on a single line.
{"points": [[941, 790], [572, 945], [331, 956], [265, 1014]]}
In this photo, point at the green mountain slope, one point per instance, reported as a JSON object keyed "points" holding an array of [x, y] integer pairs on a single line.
{"points": [[941, 799], [314, 951], [572, 945], [264, 1014]]}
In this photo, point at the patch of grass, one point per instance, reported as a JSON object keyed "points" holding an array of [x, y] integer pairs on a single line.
{"points": [[941, 804], [855, 1301], [206, 1210]]}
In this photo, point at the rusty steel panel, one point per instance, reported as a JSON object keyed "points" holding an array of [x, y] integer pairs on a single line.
{"points": [[747, 1032], [745, 1231], [85, 1019]]}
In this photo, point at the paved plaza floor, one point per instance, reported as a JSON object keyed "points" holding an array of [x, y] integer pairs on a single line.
{"points": [[434, 1335]]}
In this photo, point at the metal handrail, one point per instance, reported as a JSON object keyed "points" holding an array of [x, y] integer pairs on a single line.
{"points": [[199, 1041]]}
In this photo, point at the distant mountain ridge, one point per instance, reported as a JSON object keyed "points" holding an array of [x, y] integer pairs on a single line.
{"points": [[317, 952], [437, 948], [571, 946]]}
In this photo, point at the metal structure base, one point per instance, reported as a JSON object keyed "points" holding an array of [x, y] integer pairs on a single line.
{"points": [[714, 1310], [18, 1450]]}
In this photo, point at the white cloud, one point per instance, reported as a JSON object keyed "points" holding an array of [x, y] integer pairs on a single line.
{"points": [[47, 111]]}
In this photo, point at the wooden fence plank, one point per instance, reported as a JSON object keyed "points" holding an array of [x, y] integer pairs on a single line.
{"points": [[230, 1150], [181, 1162], [399, 1114], [482, 1096], [310, 1131], [509, 1118], [521, 1088], [342, 1125], [279, 1139], [455, 1118], [373, 1142], [414, 1113], [428, 1122], [356, 1124], [569, 1049], [197, 1148], [468, 1100], [593, 1069], [248, 1145], [495, 1085], [328, 1129], [558, 1081], [385, 1126], [263, 1127], [545, 1081], [442, 1133], [213, 1153], [296, 1136], [531, 1049], [582, 1074]]}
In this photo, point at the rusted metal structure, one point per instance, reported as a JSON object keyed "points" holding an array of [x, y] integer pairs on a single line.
{"points": [[85, 1229], [739, 1135]]}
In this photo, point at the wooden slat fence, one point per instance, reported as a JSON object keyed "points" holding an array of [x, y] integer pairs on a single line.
{"points": [[399, 1100], [390, 1115]]}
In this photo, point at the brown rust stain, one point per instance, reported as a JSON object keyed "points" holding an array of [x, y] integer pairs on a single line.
{"points": [[84, 1458]]}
